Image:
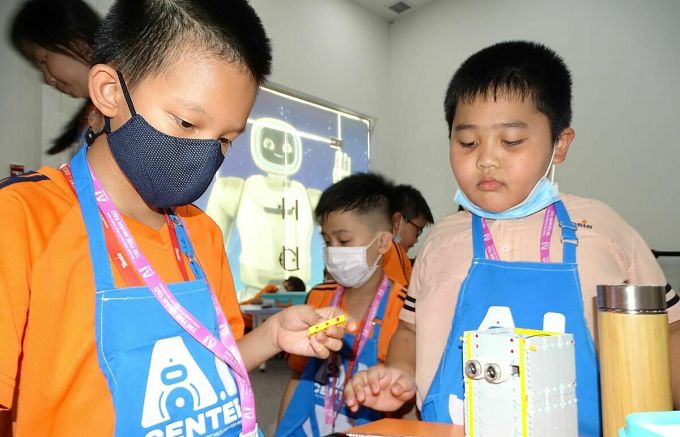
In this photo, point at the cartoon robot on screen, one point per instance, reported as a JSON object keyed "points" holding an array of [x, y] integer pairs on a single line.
{"points": [[273, 214]]}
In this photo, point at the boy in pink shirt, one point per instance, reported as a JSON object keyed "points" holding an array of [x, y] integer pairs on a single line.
{"points": [[504, 260]]}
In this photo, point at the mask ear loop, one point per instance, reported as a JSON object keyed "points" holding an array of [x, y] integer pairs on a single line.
{"points": [[551, 167], [128, 100], [552, 175], [91, 135], [380, 255], [397, 237]]}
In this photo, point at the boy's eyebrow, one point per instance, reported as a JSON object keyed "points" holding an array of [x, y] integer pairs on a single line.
{"points": [[515, 123], [198, 108], [463, 126], [509, 124], [190, 105], [339, 231], [240, 130]]}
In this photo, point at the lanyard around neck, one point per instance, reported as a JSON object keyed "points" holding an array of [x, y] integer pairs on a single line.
{"points": [[546, 235], [225, 348], [120, 260], [331, 407]]}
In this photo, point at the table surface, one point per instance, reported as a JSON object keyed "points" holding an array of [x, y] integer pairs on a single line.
{"points": [[400, 427]]}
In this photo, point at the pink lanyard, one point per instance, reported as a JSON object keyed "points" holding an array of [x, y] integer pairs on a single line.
{"points": [[546, 234], [357, 348], [224, 348], [116, 252]]}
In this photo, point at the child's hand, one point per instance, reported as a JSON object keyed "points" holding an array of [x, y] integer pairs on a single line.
{"points": [[290, 331], [381, 388]]}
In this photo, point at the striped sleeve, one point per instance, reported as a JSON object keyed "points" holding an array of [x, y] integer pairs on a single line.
{"points": [[672, 297], [408, 311], [410, 303]]}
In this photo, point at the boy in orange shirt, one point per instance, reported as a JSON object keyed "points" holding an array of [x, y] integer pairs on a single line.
{"points": [[355, 223], [409, 220], [117, 309]]}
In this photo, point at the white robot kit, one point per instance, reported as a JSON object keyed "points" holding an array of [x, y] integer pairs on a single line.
{"points": [[519, 382]]}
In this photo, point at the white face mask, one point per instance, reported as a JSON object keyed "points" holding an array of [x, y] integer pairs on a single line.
{"points": [[349, 265]]}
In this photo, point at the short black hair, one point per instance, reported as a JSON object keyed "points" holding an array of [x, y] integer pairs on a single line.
{"points": [[141, 37], [297, 283], [520, 69], [57, 25], [411, 203], [363, 193]]}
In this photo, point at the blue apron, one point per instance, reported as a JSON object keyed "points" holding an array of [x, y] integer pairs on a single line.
{"points": [[162, 381], [529, 289], [304, 416]]}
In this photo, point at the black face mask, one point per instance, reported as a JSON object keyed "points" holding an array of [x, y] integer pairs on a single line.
{"points": [[166, 171]]}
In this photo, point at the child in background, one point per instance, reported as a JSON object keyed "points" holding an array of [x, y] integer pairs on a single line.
{"points": [[57, 37], [355, 217], [293, 283], [117, 308], [412, 215], [257, 299], [508, 108]]}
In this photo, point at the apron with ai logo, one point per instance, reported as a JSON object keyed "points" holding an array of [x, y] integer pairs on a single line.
{"points": [[160, 346]]}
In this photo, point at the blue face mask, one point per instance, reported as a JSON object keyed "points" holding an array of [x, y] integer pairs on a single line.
{"points": [[166, 171], [544, 194], [397, 237]]}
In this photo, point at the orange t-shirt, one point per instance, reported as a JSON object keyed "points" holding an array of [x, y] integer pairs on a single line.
{"points": [[49, 370], [322, 295], [397, 265]]}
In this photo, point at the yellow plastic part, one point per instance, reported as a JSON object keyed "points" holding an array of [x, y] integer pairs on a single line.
{"points": [[335, 321]]}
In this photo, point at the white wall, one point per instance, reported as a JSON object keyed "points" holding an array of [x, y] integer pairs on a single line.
{"points": [[624, 59], [337, 51], [334, 50]]}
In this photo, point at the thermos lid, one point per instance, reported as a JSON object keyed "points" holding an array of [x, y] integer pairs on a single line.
{"points": [[631, 298]]}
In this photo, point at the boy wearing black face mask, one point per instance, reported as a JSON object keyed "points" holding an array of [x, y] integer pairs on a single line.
{"points": [[117, 308], [355, 217]]}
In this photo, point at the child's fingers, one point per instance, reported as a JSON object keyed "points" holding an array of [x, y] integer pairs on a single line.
{"points": [[309, 316], [350, 398], [404, 387], [316, 347], [320, 349], [329, 342], [396, 389], [334, 332], [358, 383], [374, 375]]}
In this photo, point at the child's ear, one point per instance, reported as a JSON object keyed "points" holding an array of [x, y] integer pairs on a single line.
{"points": [[396, 219], [384, 241], [562, 145], [105, 92]]}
